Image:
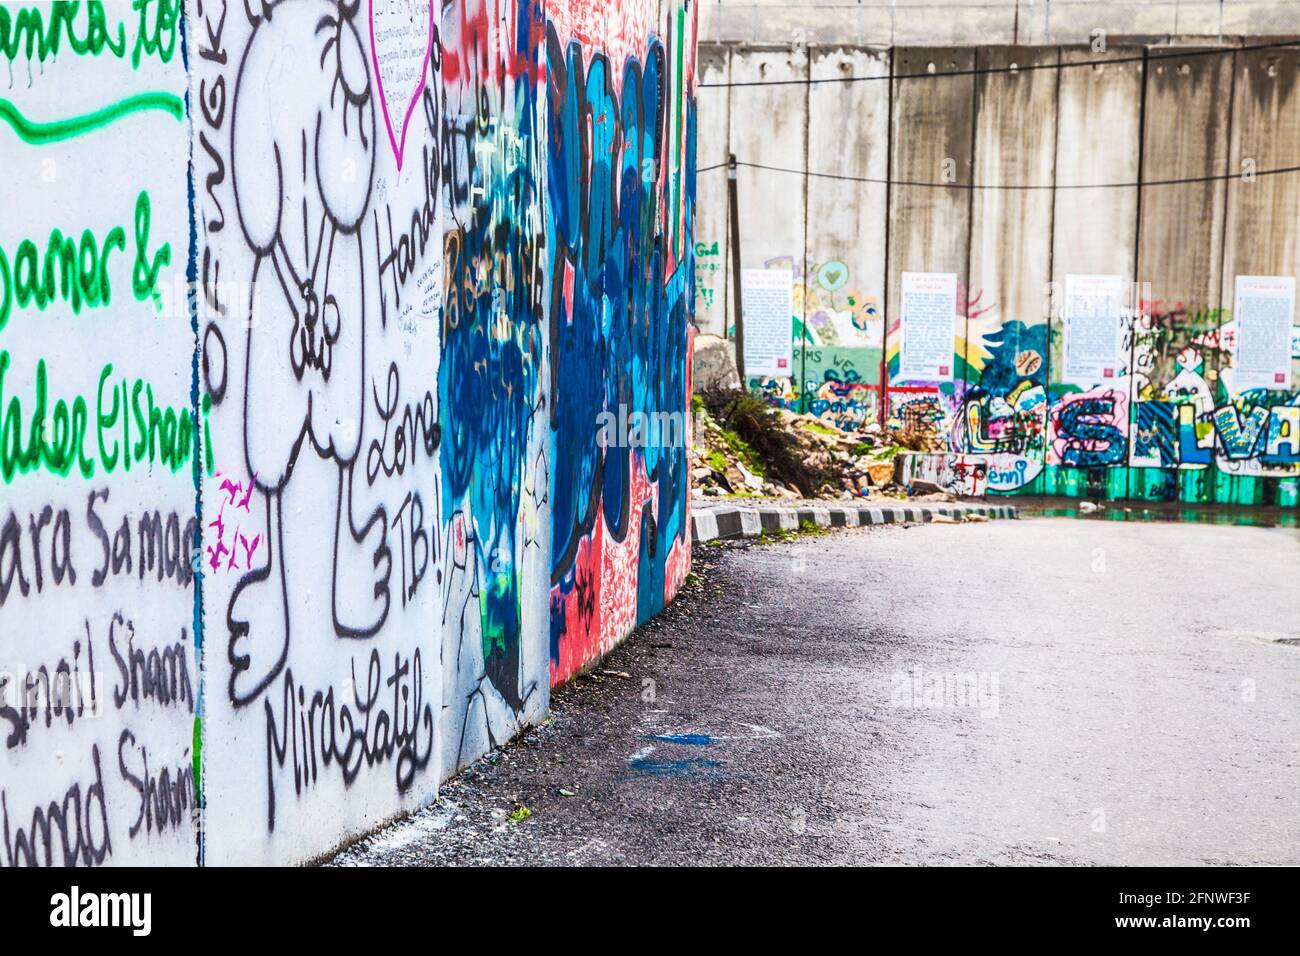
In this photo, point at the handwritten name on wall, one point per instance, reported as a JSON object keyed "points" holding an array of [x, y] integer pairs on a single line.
{"points": [[99, 439]]}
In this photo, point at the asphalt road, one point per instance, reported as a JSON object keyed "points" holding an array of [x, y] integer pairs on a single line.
{"points": [[1033, 692]]}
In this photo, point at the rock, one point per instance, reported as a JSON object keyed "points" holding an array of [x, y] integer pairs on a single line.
{"points": [[881, 474], [923, 487], [751, 480], [699, 474], [935, 496], [715, 363], [713, 491]]}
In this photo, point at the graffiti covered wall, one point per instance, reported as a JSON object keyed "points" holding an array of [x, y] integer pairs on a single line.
{"points": [[301, 301], [1159, 164], [621, 154], [493, 381], [320, 261], [99, 686]]}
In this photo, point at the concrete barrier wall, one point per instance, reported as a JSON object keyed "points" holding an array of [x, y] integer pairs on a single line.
{"points": [[993, 174], [930, 216], [303, 302], [99, 446], [1007, 326], [987, 22], [620, 230], [839, 359]]}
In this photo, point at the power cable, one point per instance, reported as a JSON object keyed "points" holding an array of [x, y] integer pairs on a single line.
{"points": [[1181, 181]]}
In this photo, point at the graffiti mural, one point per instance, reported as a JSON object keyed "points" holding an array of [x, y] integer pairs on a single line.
{"points": [[1169, 427], [956, 474], [620, 188], [99, 440], [1090, 429], [320, 260], [493, 379], [1002, 418], [1259, 434], [936, 409], [708, 274], [837, 348]]}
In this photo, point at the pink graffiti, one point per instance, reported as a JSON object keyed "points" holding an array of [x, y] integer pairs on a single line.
{"points": [[238, 494]]}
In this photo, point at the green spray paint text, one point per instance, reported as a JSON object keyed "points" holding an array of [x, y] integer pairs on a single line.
{"points": [[34, 32], [76, 271], [130, 428]]}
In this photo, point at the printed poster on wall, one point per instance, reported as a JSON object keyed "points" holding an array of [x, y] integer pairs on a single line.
{"points": [[928, 327], [1094, 329], [1265, 314], [768, 303]]}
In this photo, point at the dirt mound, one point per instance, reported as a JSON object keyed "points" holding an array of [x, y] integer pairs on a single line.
{"points": [[746, 447]]}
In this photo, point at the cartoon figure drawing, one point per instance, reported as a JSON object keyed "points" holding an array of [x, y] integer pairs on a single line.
{"points": [[303, 144]]}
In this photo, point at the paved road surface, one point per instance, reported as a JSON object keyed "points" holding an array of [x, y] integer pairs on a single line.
{"points": [[1034, 691]]}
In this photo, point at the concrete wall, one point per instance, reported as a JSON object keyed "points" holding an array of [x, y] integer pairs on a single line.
{"points": [[987, 22], [929, 220], [1006, 320], [621, 235], [839, 357], [98, 457], [279, 427], [1095, 132]]}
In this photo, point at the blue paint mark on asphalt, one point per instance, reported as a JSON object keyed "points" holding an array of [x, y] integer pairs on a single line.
{"points": [[695, 740], [672, 768]]}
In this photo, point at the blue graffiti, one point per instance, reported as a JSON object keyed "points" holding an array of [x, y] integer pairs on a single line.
{"points": [[489, 379], [1091, 440], [620, 293]]}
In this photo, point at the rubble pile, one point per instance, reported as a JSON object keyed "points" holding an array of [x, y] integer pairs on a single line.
{"points": [[745, 447], [723, 464], [852, 463]]}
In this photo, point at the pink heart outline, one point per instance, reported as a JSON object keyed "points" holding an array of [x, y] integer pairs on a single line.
{"points": [[399, 148]]}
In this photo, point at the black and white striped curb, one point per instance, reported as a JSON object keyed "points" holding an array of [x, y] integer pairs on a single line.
{"points": [[733, 521]]}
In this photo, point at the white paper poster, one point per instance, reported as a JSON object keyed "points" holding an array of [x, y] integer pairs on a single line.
{"points": [[928, 327], [1265, 314], [1094, 329], [768, 304]]}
